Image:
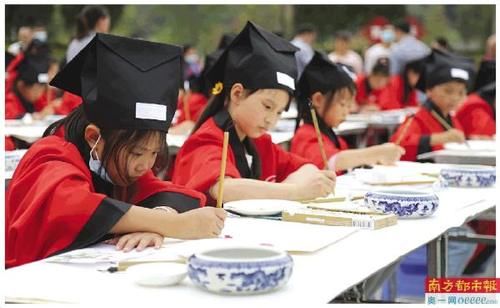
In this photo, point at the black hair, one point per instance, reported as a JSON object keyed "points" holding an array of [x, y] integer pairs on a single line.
{"points": [[343, 35], [381, 67], [186, 47], [403, 26], [415, 66], [442, 42], [215, 104], [117, 140], [303, 101], [305, 28], [88, 18]]}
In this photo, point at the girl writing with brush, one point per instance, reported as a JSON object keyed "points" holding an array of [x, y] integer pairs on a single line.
{"points": [[254, 81], [329, 89]]}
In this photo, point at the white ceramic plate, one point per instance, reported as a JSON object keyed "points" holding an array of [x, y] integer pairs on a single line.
{"points": [[157, 274], [261, 207]]}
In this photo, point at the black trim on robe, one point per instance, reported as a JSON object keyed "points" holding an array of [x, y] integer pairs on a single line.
{"points": [[424, 144], [429, 105], [368, 88], [97, 228], [106, 215], [178, 201], [224, 122]]}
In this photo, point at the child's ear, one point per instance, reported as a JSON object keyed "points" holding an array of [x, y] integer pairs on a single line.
{"points": [[91, 134], [237, 93], [317, 100]]}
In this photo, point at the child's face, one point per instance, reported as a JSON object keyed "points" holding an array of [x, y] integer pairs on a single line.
{"points": [[447, 96], [339, 109], [32, 92], [378, 81], [133, 162], [257, 113], [412, 78]]}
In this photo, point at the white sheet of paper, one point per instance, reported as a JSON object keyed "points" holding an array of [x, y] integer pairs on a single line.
{"points": [[289, 236]]}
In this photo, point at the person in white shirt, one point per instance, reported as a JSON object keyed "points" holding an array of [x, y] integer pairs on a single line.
{"points": [[304, 40], [406, 49], [343, 54], [24, 35], [381, 49], [92, 19]]}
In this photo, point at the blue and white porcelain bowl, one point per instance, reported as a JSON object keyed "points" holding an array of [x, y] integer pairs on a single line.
{"points": [[240, 270], [468, 176], [403, 203]]}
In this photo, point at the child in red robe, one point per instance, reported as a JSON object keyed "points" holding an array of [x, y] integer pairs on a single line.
{"points": [[90, 179], [254, 82]]}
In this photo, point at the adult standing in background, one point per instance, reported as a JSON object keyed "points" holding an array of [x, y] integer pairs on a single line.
{"points": [[343, 54], [381, 49], [304, 40], [24, 36], [92, 19], [407, 48]]}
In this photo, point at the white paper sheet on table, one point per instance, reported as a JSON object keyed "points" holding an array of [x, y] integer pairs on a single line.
{"points": [[29, 134], [472, 145], [100, 253], [289, 236]]}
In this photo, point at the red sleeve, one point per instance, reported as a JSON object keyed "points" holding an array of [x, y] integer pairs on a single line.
{"points": [[69, 102], [13, 107], [48, 203], [390, 96], [198, 162], [11, 72], [287, 163], [9, 144], [361, 90], [476, 117], [197, 103], [411, 138], [481, 123], [305, 144], [149, 185]]}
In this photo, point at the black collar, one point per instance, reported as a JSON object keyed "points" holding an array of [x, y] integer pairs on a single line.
{"points": [[323, 128], [101, 186], [224, 122], [429, 105]]}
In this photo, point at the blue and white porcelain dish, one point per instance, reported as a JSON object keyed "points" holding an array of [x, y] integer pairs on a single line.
{"points": [[240, 270], [468, 176], [403, 203]]}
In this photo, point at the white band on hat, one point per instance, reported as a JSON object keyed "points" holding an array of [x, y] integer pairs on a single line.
{"points": [[43, 78], [149, 111], [285, 80], [459, 73], [348, 72]]}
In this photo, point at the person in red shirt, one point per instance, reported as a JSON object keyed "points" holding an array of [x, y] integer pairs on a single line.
{"points": [[444, 79], [27, 94], [254, 82], [330, 89], [401, 91], [371, 87], [477, 113], [90, 178]]}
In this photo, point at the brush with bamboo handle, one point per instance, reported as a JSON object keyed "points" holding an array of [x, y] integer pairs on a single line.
{"points": [[222, 169], [444, 123], [318, 135], [404, 131]]}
